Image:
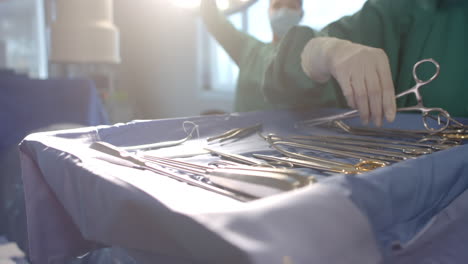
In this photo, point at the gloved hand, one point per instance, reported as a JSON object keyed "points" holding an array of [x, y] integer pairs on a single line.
{"points": [[362, 72]]}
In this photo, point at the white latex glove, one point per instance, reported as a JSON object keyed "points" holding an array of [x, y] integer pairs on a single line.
{"points": [[362, 72]]}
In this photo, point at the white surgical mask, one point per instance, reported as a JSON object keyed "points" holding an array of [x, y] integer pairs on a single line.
{"points": [[283, 19]]}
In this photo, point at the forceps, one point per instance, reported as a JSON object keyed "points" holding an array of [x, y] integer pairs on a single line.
{"points": [[419, 106]]}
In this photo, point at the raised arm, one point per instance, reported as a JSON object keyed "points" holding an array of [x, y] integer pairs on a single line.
{"points": [[231, 39]]}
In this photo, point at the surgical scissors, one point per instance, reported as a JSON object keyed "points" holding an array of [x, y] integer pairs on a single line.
{"points": [[419, 106]]}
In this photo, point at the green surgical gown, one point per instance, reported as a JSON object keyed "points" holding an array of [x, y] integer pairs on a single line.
{"points": [[408, 31]]}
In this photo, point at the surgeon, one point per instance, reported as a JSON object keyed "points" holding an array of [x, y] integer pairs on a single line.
{"points": [[251, 55], [361, 61]]}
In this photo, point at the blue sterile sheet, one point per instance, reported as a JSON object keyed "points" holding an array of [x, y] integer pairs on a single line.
{"points": [[410, 212], [28, 105]]}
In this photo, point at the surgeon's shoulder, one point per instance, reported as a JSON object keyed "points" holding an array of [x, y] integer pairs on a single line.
{"points": [[296, 39], [394, 7], [288, 55], [303, 30], [300, 33]]}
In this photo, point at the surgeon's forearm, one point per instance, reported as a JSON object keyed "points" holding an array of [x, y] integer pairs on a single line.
{"points": [[222, 30], [313, 61], [315, 58], [214, 20]]}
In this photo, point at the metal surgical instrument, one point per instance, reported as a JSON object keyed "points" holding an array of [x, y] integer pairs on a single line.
{"points": [[405, 148], [238, 158], [311, 164], [255, 181], [392, 155], [329, 165], [341, 151], [127, 159], [425, 111], [440, 143], [235, 133], [304, 179], [164, 144]]}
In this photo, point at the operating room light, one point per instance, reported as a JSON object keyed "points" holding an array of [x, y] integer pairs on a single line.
{"points": [[227, 6]]}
